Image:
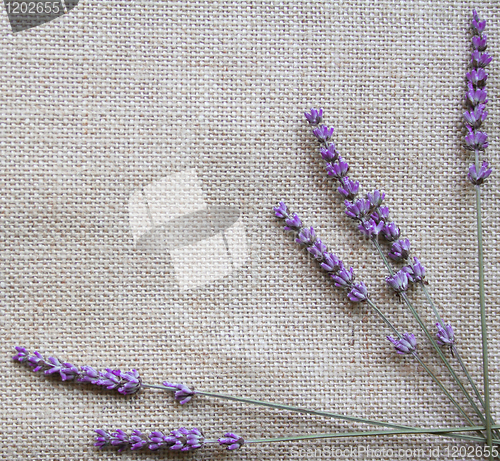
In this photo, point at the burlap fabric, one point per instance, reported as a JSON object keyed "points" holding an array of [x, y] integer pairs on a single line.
{"points": [[108, 109]]}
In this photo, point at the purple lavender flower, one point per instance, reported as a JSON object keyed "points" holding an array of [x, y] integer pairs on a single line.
{"points": [[183, 394], [331, 263], [337, 170], [22, 354], [477, 25], [37, 361], [329, 154], [400, 250], [119, 439], [479, 43], [370, 228], [376, 198], [445, 336], [398, 282], [477, 77], [68, 371], [293, 223], [317, 249], [405, 345], [232, 441], [131, 382], [476, 140], [281, 210], [88, 375], [306, 236], [357, 210], [348, 189], [110, 379], [54, 366], [415, 271], [358, 293], [344, 277], [381, 214], [478, 178], [137, 440], [476, 116], [391, 231], [323, 133], [476, 96], [480, 60], [314, 117], [103, 439], [158, 440], [187, 439]]}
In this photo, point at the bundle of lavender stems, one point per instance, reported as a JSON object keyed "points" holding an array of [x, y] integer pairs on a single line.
{"points": [[372, 219]]}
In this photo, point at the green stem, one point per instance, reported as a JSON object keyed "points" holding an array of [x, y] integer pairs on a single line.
{"points": [[434, 308], [484, 331]]}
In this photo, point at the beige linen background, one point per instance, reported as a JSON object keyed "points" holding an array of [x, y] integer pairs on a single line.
{"points": [[117, 95]]}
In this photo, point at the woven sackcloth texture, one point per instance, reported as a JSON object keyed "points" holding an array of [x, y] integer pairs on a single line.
{"points": [[143, 146]]}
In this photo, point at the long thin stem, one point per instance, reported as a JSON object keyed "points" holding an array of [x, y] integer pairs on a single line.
{"points": [[280, 406], [484, 331]]}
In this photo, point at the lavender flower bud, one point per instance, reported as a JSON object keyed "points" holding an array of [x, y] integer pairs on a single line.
{"points": [[131, 382], [376, 198], [323, 133], [158, 440], [281, 210], [187, 439], [329, 155], [370, 228], [119, 439], [391, 232], [37, 361], [479, 43], [293, 223], [306, 236], [477, 25], [331, 263], [415, 271], [405, 345], [54, 366], [348, 189], [398, 282], [358, 293], [344, 277], [479, 60], [357, 210], [103, 439], [184, 394], [88, 375], [400, 250], [445, 336], [68, 372], [232, 441], [22, 354], [476, 140], [137, 440], [478, 178], [476, 116], [317, 249], [110, 379], [476, 96], [477, 77], [381, 214], [337, 170], [314, 117]]}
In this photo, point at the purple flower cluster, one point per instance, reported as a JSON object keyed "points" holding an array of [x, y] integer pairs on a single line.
{"points": [[476, 101], [405, 345], [128, 382], [343, 277], [178, 440], [183, 394]]}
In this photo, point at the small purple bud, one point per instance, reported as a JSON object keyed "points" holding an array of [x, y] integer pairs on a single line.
{"points": [[54, 364], [22, 354], [37, 361], [344, 277], [183, 394], [119, 439], [323, 133], [357, 210], [479, 43], [391, 232], [398, 282], [358, 293], [329, 155], [475, 97], [314, 117], [476, 116], [415, 271], [348, 189], [103, 438], [405, 345], [400, 250], [131, 383], [110, 379], [331, 263], [281, 210], [381, 214], [478, 178], [480, 60], [476, 140], [477, 24], [477, 77], [157, 440], [376, 198], [445, 336], [370, 228], [88, 375], [306, 236], [232, 441], [293, 223], [137, 440], [337, 170], [68, 371], [186, 439], [317, 249]]}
